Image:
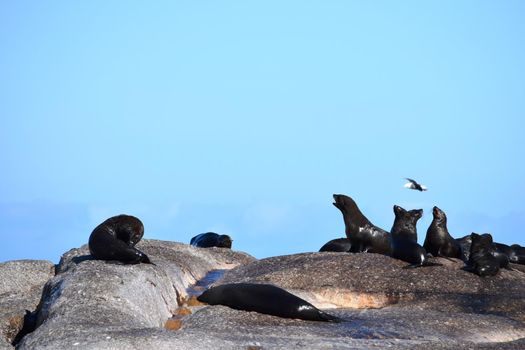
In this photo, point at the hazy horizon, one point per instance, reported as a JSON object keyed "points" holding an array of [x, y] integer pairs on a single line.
{"points": [[244, 119]]}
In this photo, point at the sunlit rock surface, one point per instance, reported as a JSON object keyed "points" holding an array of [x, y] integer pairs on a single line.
{"points": [[374, 281], [98, 305], [21, 284], [89, 299]]}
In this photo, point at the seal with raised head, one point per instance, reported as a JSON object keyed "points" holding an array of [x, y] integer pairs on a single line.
{"points": [[211, 239], [265, 299], [438, 241], [115, 239], [337, 245], [363, 235], [481, 261], [405, 223], [404, 238]]}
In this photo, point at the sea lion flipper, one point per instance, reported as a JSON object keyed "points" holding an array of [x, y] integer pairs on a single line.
{"points": [[329, 318], [445, 257], [145, 259], [424, 264], [412, 266]]}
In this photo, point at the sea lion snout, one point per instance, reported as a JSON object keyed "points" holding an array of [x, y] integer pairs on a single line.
{"points": [[337, 201]]}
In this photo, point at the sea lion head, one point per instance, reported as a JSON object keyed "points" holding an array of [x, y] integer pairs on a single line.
{"points": [[127, 228], [344, 203], [410, 214], [407, 219], [224, 241], [398, 210], [439, 215], [480, 242]]}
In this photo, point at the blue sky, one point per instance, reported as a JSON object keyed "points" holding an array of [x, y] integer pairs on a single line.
{"points": [[245, 117]]}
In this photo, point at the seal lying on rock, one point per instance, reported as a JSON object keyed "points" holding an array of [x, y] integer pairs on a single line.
{"points": [[115, 239], [502, 252], [481, 261], [518, 254], [211, 239], [404, 238], [337, 245], [363, 235], [265, 299], [438, 241]]}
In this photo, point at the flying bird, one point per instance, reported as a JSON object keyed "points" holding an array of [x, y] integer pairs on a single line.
{"points": [[413, 185]]}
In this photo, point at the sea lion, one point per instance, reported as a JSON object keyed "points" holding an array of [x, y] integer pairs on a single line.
{"points": [[363, 235], [405, 222], [211, 239], [438, 241], [115, 239], [518, 254], [481, 261], [502, 253], [266, 299], [465, 243], [404, 238], [337, 245]]}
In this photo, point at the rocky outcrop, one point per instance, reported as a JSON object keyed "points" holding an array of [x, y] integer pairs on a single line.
{"points": [[21, 284], [99, 305], [363, 280], [89, 300]]}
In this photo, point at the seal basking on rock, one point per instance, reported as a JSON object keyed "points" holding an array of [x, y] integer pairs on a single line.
{"points": [[211, 239], [500, 251], [481, 261], [404, 238], [518, 254], [265, 299], [337, 245], [363, 235], [438, 241], [115, 239], [405, 223], [464, 243]]}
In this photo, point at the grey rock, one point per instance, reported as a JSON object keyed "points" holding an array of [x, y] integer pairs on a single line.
{"points": [[364, 280], [21, 284], [98, 305], [88, 299]]}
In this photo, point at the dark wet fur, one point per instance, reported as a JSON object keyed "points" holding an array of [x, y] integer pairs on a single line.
{"points": [[211, 239], [481, 261], [438, 241], [502, 253], [405, 223], [518, 254], [266, 299], [363, 235], [115, 240], [337, 245], [464, 243], [404, 238]]}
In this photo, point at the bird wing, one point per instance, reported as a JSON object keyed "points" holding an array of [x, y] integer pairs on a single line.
{"points": [[413, 181]]}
